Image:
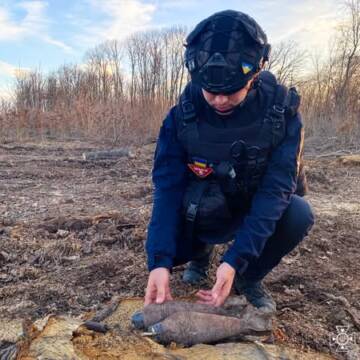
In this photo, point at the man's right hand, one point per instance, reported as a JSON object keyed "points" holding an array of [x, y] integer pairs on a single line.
{"points": [[158, 289]]}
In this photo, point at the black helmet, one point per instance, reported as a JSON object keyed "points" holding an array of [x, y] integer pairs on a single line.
{"points": [[225, 50]]}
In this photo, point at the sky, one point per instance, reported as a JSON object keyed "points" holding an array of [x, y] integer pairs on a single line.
{"points": [[47, 34]]}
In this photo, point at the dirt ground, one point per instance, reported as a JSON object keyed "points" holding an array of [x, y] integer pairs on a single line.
{"points": [[72, 237]]}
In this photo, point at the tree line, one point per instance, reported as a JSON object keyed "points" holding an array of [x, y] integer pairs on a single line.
{"points": [[122, 90]]}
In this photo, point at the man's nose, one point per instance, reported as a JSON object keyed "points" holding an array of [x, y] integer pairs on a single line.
{"points": [[220, 99]]}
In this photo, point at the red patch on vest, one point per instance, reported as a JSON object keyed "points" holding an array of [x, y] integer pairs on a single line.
{"points": [[200, 171]]}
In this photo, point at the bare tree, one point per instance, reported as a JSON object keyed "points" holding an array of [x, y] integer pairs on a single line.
{"points": [[156, 65], [174, 71], [114, 54], [347, 50], [332, 91], [287, 61]]}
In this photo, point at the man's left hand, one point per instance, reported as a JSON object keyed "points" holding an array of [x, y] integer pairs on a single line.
{"points": [[218, 294]]}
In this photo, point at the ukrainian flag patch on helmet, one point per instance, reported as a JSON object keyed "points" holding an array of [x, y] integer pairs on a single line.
{"points": [[246, 67]]}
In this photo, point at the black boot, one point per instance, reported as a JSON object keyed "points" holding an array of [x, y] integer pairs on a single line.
{"points": [[255, 292], [196, 270]]}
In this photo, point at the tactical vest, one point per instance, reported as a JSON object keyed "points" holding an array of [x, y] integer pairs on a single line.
{"points": [[230, 162]]}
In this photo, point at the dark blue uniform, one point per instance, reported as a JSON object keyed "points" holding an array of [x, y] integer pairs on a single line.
{"points": [[272, 224]]}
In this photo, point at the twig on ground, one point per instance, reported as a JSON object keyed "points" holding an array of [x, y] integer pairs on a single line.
{"points": [[106, 154], [107, 311], [334, 153], [348, 308]]}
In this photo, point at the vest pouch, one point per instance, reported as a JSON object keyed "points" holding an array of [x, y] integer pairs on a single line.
{"points": [[212, 209]]}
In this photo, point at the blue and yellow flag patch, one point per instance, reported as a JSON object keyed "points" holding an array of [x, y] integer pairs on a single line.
{"points": [[200, 167], [246, 67], [199, 162]]}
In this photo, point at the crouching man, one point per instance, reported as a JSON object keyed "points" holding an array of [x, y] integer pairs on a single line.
{"points": [[227, 167]]}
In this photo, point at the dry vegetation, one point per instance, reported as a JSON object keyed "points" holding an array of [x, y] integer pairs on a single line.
{"points": [[122, 90]]}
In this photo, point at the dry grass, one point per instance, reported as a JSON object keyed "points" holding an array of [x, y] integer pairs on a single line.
{"points": [[113, 122], [122, 123]]}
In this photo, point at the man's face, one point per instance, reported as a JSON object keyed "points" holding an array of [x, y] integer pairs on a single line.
{"points": [[224, 104]]}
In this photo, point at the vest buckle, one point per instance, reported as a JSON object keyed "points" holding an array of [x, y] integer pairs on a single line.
{"points": [[191, 212], [279, 110], [277, 124], [277, 116], [188, 110]]}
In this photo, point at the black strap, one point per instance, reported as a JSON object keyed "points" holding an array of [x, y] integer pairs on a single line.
{"points": [[274, 121], [189, 118], [188, 110], [293, 102], [193, 207]]}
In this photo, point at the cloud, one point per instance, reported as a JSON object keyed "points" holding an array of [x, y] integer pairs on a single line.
{"points": [[178, 4], [9, 30], [48, 39], [311, 24], [35, 19], [122, 18], [9, 70], [7, 76], [33, 24], [316, 32]]}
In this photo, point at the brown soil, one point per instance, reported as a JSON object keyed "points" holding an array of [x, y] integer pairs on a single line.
{"points": [[72, 237]]}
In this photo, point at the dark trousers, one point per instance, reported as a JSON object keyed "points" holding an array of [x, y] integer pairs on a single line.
{"points": [[293, 226]]}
